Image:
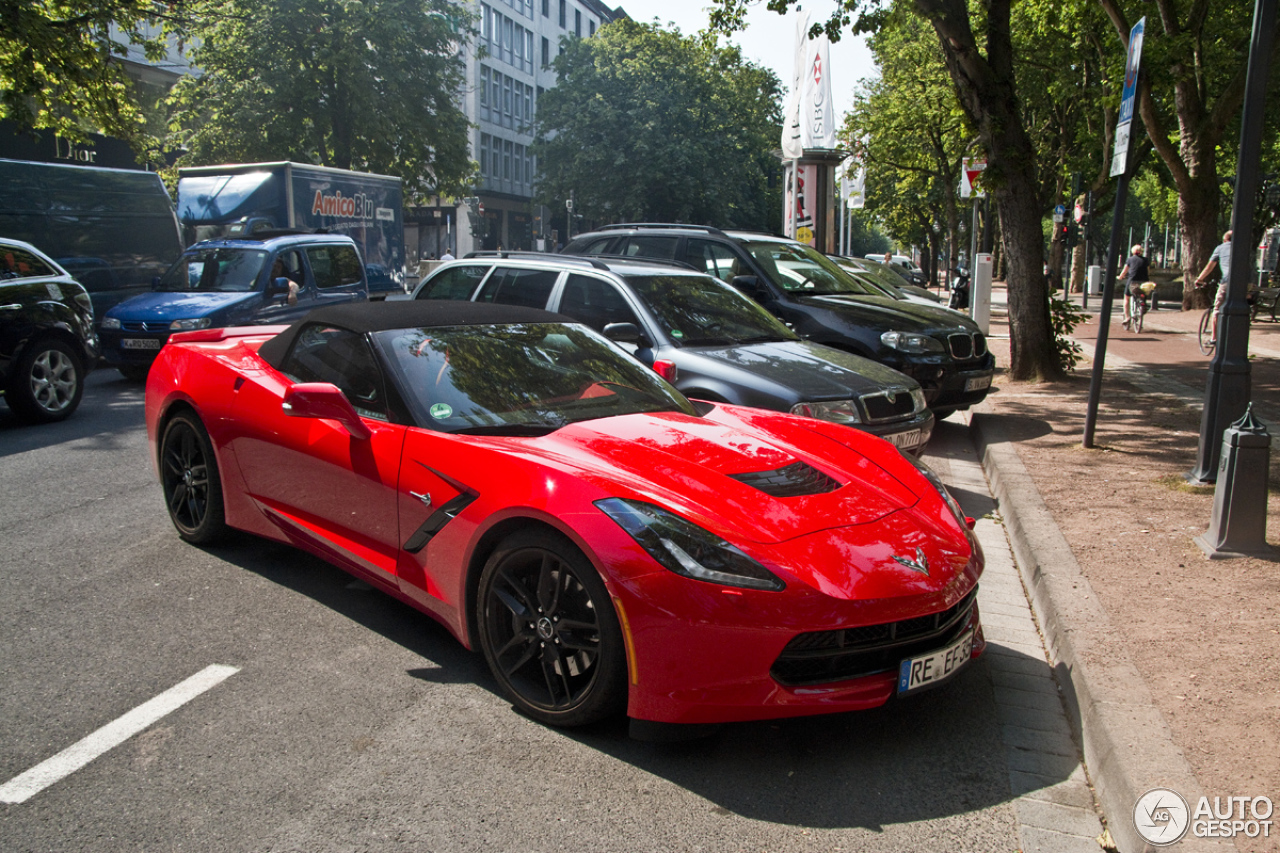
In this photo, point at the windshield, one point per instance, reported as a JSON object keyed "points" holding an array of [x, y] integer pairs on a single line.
{"points": [[877, 275], [520, 379], [798, 268], [700, 311], [220, 270]]}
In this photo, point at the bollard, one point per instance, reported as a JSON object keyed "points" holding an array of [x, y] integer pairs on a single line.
{"points": [[1239, 524]]}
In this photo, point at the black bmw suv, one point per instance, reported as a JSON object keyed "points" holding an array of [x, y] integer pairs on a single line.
{"points": [[943, 351]]}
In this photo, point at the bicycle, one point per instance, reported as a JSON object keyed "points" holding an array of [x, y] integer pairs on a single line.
{"points": [[1138, 306], [1207, 343]]}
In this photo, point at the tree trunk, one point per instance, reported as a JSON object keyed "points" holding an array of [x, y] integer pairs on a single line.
{"points": [[987, 93], [1198, 214]]}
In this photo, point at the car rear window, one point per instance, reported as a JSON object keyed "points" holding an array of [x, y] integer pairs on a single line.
{"points": [[19, 263], [454, 282], [335, 266]]}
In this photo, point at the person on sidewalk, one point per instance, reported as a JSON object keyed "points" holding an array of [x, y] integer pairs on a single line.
{"points": [[1221, 258], [1134, 275]]}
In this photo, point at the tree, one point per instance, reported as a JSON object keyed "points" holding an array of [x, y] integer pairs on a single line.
{"points": [[1194, 59], [977, 46], [367, 85], [57, 70], [907, 129], [647, 124]]}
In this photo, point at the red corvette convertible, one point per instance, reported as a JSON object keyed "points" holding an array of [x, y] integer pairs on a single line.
{"points": [[608, 544]]}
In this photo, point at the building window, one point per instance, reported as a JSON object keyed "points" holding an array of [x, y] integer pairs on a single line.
{"points": [[485, 140], [577, 22], [591, 26], [484, 92], [562, 10], [546, 52], [506, 159], [546, 8]]}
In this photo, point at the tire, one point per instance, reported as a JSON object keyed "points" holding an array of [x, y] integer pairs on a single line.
{"points": [[1138, 314], [1206, 332], [190, 480], [135, 372], [549, 631], [48, 383]]}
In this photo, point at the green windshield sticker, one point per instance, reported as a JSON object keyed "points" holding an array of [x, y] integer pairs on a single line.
{"points": [[677, 334], [440, 411]]}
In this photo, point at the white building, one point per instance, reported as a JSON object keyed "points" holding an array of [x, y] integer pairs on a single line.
{"points": [[507, 70]]}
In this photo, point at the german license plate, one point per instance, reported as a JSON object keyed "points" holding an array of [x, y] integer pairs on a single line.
{"points": [[936, 666], [977, 383], [910, 438], [139, 343]]}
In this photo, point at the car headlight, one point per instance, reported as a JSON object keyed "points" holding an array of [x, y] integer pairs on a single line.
{"points": [[936, 481], [917, 398], [911, 342], [110, 323], [687, 549], [839, 411], [188, 325]]}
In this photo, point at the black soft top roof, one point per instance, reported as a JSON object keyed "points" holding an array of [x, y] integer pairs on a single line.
{"points": [[421, 313]]}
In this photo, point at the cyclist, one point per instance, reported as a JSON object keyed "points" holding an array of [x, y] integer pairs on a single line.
{"points": [[1134, 275], [1221, 258]]}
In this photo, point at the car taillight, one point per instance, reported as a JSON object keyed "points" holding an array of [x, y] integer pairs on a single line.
{"points": [[665, 369]]}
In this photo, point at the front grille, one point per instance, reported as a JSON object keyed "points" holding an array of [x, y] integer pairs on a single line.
{"points": [[824, 656], [965, 346], [144, 327], [888, 405], [790, 482]]}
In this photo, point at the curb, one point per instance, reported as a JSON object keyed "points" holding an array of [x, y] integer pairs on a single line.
{"points": [[1127, 744]]}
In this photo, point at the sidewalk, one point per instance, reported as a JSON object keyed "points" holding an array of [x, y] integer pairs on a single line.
{"points": [[1167, 661]]}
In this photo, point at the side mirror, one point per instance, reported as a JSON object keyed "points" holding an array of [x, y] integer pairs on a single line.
{"points": [[750, 285], [277, 285], [626, 333], [324, 400]]}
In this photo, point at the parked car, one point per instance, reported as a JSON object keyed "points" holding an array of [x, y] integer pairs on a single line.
{"points": [[942, 350], [608, 545], [47, 340], [889, 277], [231, 283], [908, 266], [701, 335]]}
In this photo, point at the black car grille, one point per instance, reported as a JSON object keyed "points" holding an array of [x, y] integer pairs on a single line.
{"points": [[888, 405], [823, 656], [790, 482], [144, 327], [965, 346]]}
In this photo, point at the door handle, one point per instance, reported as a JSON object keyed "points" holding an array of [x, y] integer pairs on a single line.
{"points": [[424, 497]]}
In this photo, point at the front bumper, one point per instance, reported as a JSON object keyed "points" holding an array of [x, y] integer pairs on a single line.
{"points": [[127, 348], [910, 436]]}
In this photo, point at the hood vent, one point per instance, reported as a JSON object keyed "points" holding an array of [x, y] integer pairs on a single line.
{"points": [[793, 481]]}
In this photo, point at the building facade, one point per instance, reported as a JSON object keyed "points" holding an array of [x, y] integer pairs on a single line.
{"points": [[507, 70]]}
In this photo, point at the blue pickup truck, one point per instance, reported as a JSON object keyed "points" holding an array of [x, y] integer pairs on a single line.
{"points": [[271, 278]]}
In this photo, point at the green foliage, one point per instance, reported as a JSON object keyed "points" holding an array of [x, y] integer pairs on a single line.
{"points": [[57, 69], [647, 124], [370, 85], [1064, 317]]}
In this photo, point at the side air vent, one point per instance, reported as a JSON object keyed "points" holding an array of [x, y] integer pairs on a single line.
{"points": [[793, 481]]}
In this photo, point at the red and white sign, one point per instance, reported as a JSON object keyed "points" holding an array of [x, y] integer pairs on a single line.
{"points": [[970, 172]]}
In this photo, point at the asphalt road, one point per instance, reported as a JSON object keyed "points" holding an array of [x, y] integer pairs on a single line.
{"points": [[354, 723]]}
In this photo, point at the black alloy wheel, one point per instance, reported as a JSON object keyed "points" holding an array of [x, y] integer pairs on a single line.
{"points": [[48, 383], [549, 631], [189, 477]]}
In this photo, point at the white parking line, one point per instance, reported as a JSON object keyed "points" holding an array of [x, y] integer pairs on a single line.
{"points": [[25, 786]]}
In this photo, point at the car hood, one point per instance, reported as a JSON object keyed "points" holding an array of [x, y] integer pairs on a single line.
{"points": [[895, 314], [813, 371], [723, 473], [155, 307]]}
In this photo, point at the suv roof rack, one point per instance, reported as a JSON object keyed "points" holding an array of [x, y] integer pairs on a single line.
{"points": [[585, 260], [640, 259], [622, 226], [272, 233]]}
